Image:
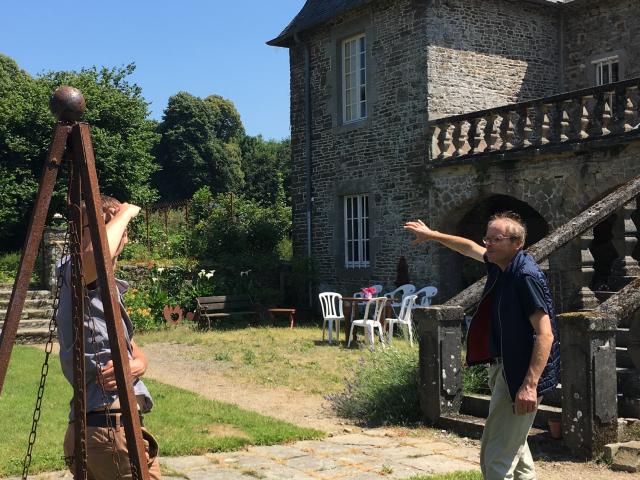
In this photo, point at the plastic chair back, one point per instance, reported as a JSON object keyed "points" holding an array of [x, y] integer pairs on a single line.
{"points": [[331, 304], [425, 295]]}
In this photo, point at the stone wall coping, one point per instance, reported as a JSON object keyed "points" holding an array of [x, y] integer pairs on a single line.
{"points": [[590, 321]]}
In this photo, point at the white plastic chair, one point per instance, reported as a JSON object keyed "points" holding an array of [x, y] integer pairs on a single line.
{"points": [[402, 291], [403, 320], [331, 304], [370, 324], [424, 296]]}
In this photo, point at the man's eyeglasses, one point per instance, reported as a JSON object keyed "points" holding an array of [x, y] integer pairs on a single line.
{"points": [[492, 240]]}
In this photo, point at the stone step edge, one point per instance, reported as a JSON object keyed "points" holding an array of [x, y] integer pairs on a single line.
{"points": [[477, 405], [470, 426]]}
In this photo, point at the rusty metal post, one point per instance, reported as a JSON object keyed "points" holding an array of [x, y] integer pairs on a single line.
{"points": [[77, 316], [31, 245], [106, 281]]}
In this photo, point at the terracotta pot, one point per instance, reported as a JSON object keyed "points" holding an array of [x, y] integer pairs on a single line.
{"points": [[555, 428]]}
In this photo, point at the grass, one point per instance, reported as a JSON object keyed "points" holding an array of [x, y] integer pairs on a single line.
{"points": [[184, 423], [473, 475], [272, 356]]}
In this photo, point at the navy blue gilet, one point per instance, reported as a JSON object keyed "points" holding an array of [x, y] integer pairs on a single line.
{"points": [[518, 335]]}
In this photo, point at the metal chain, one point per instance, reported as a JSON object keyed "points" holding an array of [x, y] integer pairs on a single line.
{"points": [[45, 366], [94, 343]]}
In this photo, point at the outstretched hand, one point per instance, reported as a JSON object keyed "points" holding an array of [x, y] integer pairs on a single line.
{"points": [[420, 230]]}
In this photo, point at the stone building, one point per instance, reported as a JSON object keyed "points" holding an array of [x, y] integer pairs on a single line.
{"points": [[450, 110]]}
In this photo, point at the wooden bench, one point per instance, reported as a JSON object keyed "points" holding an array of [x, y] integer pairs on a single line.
{"points": [[222, 306]]}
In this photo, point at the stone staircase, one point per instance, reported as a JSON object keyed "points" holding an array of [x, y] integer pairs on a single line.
{"points": [[35, 317], [599, 339]]}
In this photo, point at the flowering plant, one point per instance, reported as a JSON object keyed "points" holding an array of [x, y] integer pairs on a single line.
{"points": [[368, 292]]}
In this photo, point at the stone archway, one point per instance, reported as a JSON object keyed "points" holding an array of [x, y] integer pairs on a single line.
{"points": [[463, 271]]}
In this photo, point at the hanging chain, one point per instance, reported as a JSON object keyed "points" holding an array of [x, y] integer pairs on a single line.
{"points": [[94, 343], [45, 366]]}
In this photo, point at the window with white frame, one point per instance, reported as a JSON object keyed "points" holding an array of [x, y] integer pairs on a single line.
{"points": [[354, 79], [356, 231], [607, 70]]}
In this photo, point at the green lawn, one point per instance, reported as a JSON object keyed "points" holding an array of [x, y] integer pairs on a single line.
{"points": [[183, 423]]}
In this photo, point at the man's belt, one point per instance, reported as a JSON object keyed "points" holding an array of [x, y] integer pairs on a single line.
{"points": [[113, 418]]}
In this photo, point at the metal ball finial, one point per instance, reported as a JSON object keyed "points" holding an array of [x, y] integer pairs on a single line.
{"points": [[67, 104]]}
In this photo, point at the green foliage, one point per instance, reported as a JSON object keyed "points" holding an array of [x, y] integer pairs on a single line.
{"points": [[475, 379], [173, 286], [199, 146], [383, 390], [232, 235], [122, 137], [9, 263], [267, 168]]}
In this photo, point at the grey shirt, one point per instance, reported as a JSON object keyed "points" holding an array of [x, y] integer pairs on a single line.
{"points": [[96, 342]]}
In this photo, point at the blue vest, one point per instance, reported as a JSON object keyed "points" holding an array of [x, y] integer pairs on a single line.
{"points": [[518, 336]]}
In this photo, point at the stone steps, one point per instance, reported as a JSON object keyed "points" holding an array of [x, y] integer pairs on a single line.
{"points": [[477, 405], [35, 316], [472, 426]]}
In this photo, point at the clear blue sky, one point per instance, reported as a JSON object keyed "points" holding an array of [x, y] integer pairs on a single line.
{"points": [[202, 47]]}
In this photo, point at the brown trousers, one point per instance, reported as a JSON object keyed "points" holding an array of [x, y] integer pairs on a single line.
{"points": [[101, 459]]}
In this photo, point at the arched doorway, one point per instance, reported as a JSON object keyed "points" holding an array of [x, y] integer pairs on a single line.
{"points": [[473, 224]]}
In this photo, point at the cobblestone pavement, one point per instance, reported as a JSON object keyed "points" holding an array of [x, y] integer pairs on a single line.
{"points": [[366, 455]]}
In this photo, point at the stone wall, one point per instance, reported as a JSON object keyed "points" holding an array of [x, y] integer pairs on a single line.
{"points": [[556, 186], [595, 29], [379, 155], [483, 54], [428, 59]]}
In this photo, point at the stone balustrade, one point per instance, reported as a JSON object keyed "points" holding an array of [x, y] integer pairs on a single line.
{"points": [[579, 116]]}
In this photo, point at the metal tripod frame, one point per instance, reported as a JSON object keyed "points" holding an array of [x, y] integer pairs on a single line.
{"points": [[72, 138]]}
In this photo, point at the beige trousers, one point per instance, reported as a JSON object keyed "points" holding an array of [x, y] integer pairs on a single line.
{"points": [[100, 456], [504, 452]]}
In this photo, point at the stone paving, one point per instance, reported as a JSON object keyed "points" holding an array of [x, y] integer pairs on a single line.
{"points": [[370, 454]]}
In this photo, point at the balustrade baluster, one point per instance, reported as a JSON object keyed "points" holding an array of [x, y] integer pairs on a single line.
{"points": [[595, 123], [586, 297], [457, 139], [444, 141], [619, 102], [472, 135], [546, 125], [479, 143], [625, 268], [520, 128], [529, 136], [565, 120], [507, 132], [584, 117], [491, 136], [630, 111]]}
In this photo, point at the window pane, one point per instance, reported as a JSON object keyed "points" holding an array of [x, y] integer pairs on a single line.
{"points": [[615, 75], [605, 75]]}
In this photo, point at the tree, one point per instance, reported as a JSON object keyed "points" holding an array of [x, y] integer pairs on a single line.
{"points": [[199, 147], [123, 139], [267, 167]]}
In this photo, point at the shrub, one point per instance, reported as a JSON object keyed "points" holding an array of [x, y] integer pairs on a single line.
{"points": [[383, 390], [475, 379]]}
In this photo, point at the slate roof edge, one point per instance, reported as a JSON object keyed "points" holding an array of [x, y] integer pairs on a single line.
{"points": [[285, 37]]}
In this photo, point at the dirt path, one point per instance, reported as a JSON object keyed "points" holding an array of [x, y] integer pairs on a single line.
{"points": [[172, 364]]}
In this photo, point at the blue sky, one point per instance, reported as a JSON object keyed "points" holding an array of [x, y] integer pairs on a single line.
{"points": [[199, 46]]}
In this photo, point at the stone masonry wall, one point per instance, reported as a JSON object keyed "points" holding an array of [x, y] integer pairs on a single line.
{"points": [[484, 54], [377, 156], [557, 186], [596, 29]]}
